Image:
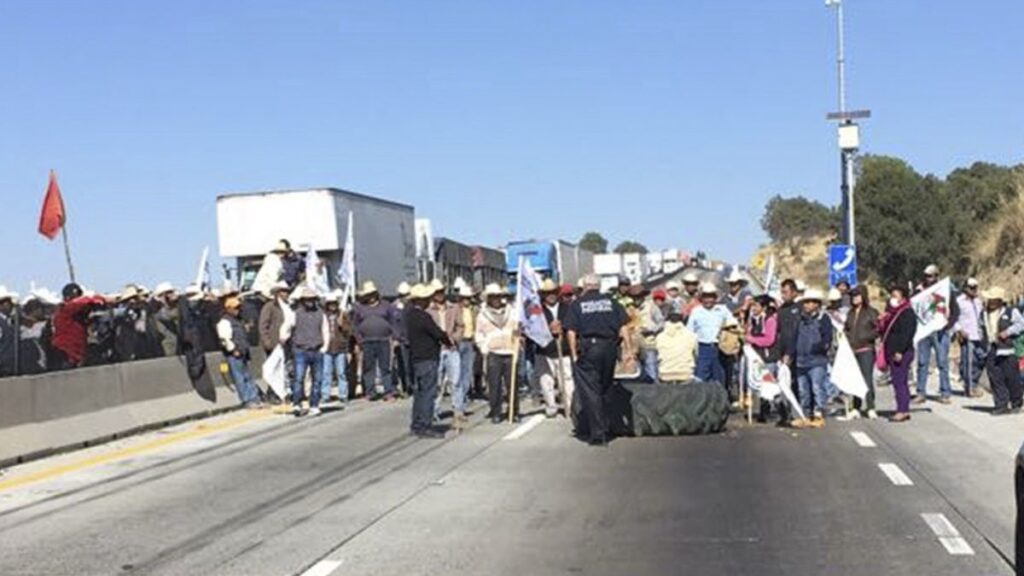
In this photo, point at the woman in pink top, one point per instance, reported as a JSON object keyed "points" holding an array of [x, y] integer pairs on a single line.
{"points": [[762, 335]]}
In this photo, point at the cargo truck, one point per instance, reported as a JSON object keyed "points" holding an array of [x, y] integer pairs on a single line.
{"points": [[559, 260], [249, 225]]}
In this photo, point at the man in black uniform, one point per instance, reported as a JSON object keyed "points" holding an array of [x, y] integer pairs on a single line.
{"points": [[594, 325]]}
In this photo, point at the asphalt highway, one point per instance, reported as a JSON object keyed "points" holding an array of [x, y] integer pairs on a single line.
{"points": [[352, 493]]}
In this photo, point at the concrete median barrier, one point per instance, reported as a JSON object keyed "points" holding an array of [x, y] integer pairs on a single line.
{"points": [[48, 413]]}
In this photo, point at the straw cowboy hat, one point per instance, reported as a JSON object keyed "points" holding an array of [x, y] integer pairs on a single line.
{"points": [[995, 293], [436, 285], [834, 295], [673, 285], [467, 292], [548, 285], [812, 295], [708, 289], [332, 297], [494, 290], [421, 292], [404, 289], [690, 278], [130, 292], [368, 288]]}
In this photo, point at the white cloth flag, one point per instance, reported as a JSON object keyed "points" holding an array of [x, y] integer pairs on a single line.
{"points": [[760, 377], [316, 273], [203, 274], [347, 272], [268, 275], [786, 385], [931, 306], [275, 372], [846, 374], [529, 306]]}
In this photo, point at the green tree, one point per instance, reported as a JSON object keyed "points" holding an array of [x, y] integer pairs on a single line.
{"points": [[594, 242], [903, 221], [792, 218], [630, 247]]}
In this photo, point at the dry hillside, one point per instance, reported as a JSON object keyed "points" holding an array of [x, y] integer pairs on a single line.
{"points": [[804, 258], [997, 258]]}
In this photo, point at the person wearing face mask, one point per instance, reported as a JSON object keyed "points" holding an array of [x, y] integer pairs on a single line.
{"points": [[897, 327], [1000, 326], [310, 335]]}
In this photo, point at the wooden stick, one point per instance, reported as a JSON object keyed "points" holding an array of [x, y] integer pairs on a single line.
{"points": [[67, 249], [512, 384]]}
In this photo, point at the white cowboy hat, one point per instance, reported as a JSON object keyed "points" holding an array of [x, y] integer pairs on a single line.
{"points": [[163, 288], [673, 285], [800, 286], [708, 289], [459, 283], [6, 294], [368, 288], [690, 278], [404, 289], [735, 277], [931, 270], [436, 285], [332, 297], [280, 247], [305, 293], [812, 295], [494, 290], [834, 295], [467, 292], [421, 292]]}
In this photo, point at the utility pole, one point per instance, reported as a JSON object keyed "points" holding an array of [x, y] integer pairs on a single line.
{"points": [[849, 131]]}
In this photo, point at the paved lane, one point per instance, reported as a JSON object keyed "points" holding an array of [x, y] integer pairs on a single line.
{"points": [[351, 493]]}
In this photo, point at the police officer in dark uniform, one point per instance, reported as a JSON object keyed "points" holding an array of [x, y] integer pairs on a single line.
{"points": [[594, 326]]}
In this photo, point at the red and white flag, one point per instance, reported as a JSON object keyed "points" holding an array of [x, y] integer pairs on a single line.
{"points": [[52, 217]]}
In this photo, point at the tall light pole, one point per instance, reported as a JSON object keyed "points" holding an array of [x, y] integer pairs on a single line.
{"points": [[849, 131]]}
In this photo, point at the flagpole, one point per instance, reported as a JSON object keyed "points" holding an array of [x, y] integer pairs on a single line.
{"points": [[67, 250]]}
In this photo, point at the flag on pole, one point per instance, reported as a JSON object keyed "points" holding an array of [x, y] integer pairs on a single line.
{"points": [[316, 273], [347, 272], [203, 273], [846, 374], [268, 274], [529, 306], [786, 385], [52, 216], [760, 377], [931, 306]]}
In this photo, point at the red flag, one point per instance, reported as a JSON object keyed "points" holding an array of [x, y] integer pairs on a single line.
{"points": [[51, 219]]}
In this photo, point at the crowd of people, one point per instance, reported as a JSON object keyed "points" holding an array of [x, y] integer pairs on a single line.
{"points": [[434, 341]]}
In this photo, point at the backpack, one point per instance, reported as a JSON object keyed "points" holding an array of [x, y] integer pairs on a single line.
{"points": [[729, 342]]}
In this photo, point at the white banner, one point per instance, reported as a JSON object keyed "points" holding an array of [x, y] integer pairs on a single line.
{"points": [[347, 273], [786, 385], [846, 374], [529, 306], [931, 306], [203, 273], [316, 272], [759, 376]]}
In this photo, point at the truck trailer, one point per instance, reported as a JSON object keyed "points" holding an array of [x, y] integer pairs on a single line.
{"points": [[249, 225], [559, 260]]}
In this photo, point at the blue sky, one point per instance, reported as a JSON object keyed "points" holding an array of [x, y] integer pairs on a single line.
{"points": [[671, 122]]}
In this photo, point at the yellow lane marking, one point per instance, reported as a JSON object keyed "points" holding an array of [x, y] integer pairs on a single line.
{"points": [[198, 431]]}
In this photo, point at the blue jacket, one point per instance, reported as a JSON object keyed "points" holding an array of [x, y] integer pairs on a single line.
{"points": [[813, 340]]}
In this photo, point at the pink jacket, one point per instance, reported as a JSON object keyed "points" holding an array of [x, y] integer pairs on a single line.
{"points": [[767, 338]]}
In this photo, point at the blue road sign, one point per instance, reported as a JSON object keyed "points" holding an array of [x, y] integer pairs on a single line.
{"points": [[842, 264]]}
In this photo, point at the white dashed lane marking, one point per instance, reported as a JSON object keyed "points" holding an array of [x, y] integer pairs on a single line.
{"points": [[896, 476], [948, 535], [863, 440], [525, 427], [323, 568]]}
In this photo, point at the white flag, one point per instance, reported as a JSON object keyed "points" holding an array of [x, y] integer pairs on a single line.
{"points": [[269, 273], [846, 374], [932, 309], [786, 385], [316, 273], [347, 272], [529, 306], [203, 274], [760, 377]]}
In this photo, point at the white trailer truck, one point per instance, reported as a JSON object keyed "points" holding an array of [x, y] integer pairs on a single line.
{"points": [[249, 225]]}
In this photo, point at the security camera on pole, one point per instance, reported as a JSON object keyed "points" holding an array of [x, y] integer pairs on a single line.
{"points": [[849, 132]]}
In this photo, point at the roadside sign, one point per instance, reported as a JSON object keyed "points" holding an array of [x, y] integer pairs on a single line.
{"points": [[842, 264]]}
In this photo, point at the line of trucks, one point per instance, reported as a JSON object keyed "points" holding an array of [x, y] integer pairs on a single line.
{"points": [[391, 244]]}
